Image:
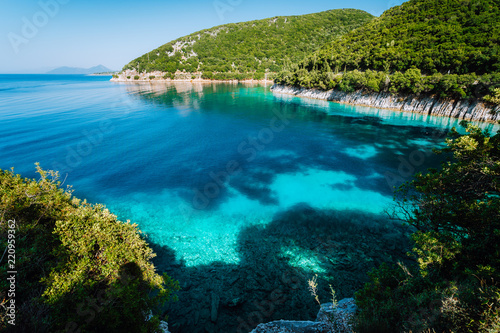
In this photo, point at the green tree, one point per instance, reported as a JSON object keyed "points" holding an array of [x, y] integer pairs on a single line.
{"points": [[79, 268], [456, 215], [260, 45], [423, 46]]}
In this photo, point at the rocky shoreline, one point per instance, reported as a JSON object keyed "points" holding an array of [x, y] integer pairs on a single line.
{"points": [[130, 76], [430, 105], [330, 319]]}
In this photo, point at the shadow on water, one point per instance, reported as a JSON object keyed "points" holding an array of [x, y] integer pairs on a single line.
{"points": [[327, 137], [276, 261]]}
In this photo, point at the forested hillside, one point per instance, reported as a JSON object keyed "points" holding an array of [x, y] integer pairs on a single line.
{"points": [[251, 47], [448, 47]]}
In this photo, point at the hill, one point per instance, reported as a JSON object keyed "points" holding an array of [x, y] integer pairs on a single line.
{"points": [[444, 44], [76, 70], [254, 46]]}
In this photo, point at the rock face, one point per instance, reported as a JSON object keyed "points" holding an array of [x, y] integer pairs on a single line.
{"points": [[429, 105], [157, 76], [329, 320]]}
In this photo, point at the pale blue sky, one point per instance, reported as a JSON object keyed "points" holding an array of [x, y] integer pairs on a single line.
{"points": [[37, 35]]}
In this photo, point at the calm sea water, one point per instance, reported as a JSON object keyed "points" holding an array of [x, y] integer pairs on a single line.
{"points": [[196, 164]]}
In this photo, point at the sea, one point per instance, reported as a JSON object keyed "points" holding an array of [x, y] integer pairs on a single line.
{"points": [[244, 194]]}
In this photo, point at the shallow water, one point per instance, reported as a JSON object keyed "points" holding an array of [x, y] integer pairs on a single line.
{"points": [[225, 179]]}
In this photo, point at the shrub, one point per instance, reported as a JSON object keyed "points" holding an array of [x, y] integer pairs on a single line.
{"points": [[207, 75], [152, 77], [128, 77], [494, 97], [456, 214], [169, 76], [410, 82], [352, 81], [80, 267], [137, 77], [259, 76]]}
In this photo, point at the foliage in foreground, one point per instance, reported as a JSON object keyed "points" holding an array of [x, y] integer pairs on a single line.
{"points": [[79, 269], [456, 212]]}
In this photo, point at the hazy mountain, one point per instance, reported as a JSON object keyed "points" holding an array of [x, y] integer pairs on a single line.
{"points": [[76, 70]]}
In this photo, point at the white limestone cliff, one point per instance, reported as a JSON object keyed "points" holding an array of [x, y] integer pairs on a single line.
{"points": [[430, 105]]}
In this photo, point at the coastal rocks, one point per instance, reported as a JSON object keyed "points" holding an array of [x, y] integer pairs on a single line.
{"points": [[164, 327], [134, 76], [163, 324], [428, 105], [329, 320], [157, 76]]}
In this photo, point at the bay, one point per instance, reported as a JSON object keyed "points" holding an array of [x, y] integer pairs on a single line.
{"points": [[244, 194]]}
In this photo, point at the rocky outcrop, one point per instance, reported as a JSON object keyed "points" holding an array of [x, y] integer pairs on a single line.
{"points": [[329, 320], [157, 76], [429, 105], [134, 76]]}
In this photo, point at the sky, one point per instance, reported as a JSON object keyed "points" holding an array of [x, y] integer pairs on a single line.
{"points": [[39, 35]]}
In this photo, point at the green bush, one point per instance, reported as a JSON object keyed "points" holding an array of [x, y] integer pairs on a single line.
{"points": [[207, 75], [152, 77], [128, 77], [137, 77], [421, 47], [410, 82], [494, 97], [169, 76], [456, 214], [259, 76], [79, 267]]}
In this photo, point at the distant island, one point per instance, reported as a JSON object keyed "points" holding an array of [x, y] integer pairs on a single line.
{"points": [[100, 69]]}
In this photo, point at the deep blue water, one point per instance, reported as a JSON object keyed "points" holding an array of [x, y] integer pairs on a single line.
{"points": [[192, 164]]}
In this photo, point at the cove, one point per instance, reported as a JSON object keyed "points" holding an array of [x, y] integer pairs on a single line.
{"points": [[243, 194]]}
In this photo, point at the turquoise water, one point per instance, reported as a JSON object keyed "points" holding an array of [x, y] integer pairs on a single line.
{"points": [[200, 167]]}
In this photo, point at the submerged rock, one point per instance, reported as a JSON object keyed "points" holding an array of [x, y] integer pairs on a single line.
{"points": [[429, 105], [214, 307], [329, 320]]}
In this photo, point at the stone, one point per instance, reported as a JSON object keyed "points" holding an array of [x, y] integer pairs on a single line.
{"points": [[196, 317], [329, 320], [286, 326], [164, 327], [234, 302], [215, 307]]}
